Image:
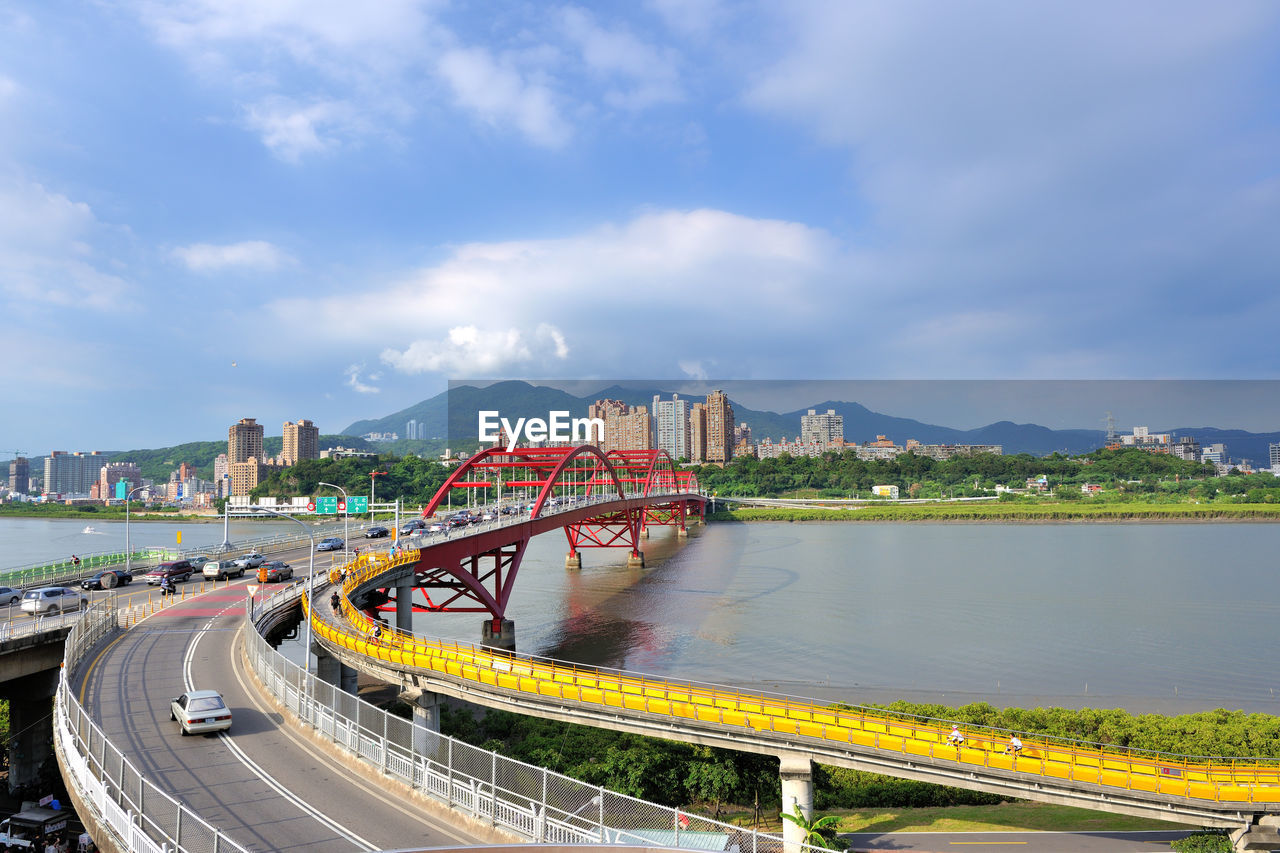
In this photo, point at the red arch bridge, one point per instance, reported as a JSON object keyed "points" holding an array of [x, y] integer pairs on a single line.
{"points": [[600, 500]]}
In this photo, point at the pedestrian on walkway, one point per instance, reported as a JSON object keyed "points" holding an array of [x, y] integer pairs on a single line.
{"points": [[335, 601], [75, 561]]}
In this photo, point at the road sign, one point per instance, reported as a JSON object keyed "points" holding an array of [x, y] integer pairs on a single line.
{"points": [[357, 504], [342, 506], [252, 587], [327, 505]]}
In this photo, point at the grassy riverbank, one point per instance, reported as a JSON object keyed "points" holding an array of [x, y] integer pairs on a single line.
{"points": [[99, 513], [1003, 817], [1046, 511]]}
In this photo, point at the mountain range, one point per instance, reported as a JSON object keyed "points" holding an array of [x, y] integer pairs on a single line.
{"points": [[452, 416]]}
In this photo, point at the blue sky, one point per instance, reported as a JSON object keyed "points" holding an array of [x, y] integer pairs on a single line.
{"points": [[320, 209]]}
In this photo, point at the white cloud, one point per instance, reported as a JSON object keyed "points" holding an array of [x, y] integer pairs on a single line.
{"points": [[251, 255], [48, 254], [292, 130], [354, 382], [473, 351], [496, 91], [647, 74]]}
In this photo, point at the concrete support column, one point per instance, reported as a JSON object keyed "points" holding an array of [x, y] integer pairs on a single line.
{"points": [[573, 560], [426, 720], [404, 605], [636, 560], [796, 772], [644, 532], [30, 728], [682, 532], [349, 679], [328, 668], [503, 638]]}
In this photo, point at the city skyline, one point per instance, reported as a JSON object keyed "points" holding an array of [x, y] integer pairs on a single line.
{"points": [[211, 208]]}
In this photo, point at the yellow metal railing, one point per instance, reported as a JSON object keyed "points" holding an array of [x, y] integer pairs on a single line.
{"points": [[1224, 780]]}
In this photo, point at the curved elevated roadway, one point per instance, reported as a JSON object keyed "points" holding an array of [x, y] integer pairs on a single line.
{"points": [[262, 784], [1225, 792]]}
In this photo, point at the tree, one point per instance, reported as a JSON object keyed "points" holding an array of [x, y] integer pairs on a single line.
{"points": [[818, 831], [712, 778]]}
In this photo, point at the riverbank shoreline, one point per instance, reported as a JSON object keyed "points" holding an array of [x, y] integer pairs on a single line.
{"points": [[1011, 513]]}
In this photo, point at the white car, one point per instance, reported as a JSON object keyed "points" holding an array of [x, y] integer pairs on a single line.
{"points": [[200, 712], [250, 561], [49, 598]]}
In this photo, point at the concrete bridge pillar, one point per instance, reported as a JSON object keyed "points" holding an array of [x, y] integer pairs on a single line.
{"points": [[426, 719], [504, 637], [644, 532], [30, 728], [682, 532], [636, 560], [573, 560], [1261, 833], [796, 772], [328, 668], [404, 605], [348, 679]]}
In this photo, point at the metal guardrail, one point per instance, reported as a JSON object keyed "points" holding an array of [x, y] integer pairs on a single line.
{"points": [[532, 803], [142, 817], [11, 630]]}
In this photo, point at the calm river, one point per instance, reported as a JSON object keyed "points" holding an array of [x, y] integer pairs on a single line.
{"points": [[1150, 617]]}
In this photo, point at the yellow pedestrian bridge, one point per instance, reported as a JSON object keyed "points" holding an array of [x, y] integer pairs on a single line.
{"points": [[1225, 792]]}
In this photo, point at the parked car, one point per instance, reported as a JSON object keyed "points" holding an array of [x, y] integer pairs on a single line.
{"points": [[332, 543], [250, 561], [108, 579], [175, 571], [200, 712], [275, 571], [376, 532], [49, 598], [198, 562], [221, 569]]}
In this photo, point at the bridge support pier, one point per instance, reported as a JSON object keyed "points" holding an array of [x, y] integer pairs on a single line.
{"points": [[1263, 833], [573, 560], [682, 532], [636, 560], [644, 532], [426, 719], [404, 605], [504, 637], [348, 679], [328, 668], [31, 725], [796, 772]]}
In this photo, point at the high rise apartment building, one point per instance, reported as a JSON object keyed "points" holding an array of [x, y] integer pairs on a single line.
{"points": [[72, 474], [244, 441], [719, 428], [20, 475], [671, 426], [221, 476], [1275, 457], [411, 430], [301, 441], [625, 427], [244, 456], [698, 433], [822, 430]]}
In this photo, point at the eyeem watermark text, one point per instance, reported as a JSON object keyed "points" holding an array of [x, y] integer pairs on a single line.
{"points": [[558, 427]]}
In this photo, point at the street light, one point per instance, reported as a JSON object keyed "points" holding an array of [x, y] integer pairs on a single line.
{"points": [[311, 572], [128, 544], [345, 504], [372, 475]]}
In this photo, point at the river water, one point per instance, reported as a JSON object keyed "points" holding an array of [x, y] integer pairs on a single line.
{"points": [[1151, 617], [1162, 617]]}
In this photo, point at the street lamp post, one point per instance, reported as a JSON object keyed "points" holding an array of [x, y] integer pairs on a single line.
{"points": [[345, 504], [372, 477], [226, 507], [311, 573], [128, 543]]}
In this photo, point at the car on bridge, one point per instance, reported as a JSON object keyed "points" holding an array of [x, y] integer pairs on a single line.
{"points": [[412, 527], [45, 599], [174, 571], [331, 543], [376, 532], [9, 595], [200, 712], [222, 569], [108, 579], [250, 561], [198, 561], [275, 571]]}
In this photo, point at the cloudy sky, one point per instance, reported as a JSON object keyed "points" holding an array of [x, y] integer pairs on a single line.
{"points": [[214, 209]]}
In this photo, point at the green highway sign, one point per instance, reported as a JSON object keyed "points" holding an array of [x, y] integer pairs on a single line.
{"points": [[357, 504], [327, 505]]}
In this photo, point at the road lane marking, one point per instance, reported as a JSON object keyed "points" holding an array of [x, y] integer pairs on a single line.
{"points": [[253, 766]]}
